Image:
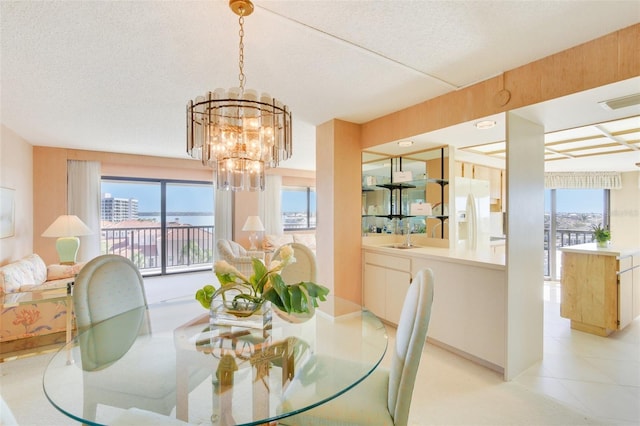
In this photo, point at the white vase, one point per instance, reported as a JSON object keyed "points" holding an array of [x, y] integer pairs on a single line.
{"points": [[602, 244]]}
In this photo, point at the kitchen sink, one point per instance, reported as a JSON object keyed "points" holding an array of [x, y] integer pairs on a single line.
{"points": [[401, 246]]}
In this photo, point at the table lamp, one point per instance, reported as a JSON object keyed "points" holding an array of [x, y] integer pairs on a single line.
{"points": [[67, 228], [254, 225]]}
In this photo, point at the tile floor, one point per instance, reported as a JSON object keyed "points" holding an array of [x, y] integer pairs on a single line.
{"points": [[599, 376]]}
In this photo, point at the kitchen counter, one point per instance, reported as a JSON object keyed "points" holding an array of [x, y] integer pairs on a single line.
{"points": [[600, 287], [468, 316], [592, 248], [484, 258]]}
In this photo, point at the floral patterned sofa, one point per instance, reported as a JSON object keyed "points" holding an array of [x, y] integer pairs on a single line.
{"points": [[17, 279]]}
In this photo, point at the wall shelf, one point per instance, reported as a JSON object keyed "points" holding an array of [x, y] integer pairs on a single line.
{"points": [[384, 212]]}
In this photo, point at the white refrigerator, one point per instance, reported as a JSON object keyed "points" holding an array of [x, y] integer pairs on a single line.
{"points": [[472, 217]]}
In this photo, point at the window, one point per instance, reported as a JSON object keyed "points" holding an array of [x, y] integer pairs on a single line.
{"points": [[298, 208], [569, 215], [162, 226]]}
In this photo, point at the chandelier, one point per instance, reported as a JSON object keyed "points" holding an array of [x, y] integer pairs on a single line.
{"points": [[239, 132]]}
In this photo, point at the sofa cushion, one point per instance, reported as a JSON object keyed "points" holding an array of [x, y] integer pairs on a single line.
{"points": [[57, 272], [48, 285], [272, 242], [29, 270], [308, 240]]}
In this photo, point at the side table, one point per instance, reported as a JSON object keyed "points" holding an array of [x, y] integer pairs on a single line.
{"points": [[47, 295]]}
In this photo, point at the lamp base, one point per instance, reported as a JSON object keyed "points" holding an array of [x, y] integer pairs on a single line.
{"points": [[67, 248], [253, 239]]}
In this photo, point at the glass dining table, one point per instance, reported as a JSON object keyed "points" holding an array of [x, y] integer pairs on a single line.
{"points": [[170, 360]]}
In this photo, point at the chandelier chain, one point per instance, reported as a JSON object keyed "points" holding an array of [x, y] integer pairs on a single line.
{"points": [[239, 137], [241, 75]]}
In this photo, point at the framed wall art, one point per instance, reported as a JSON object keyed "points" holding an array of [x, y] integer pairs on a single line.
{"points": [[7, 212]]}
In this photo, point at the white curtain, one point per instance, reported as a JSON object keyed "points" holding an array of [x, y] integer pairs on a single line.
{"points": [[223, 228], [582, 180], [269, 205], [83, 200]]}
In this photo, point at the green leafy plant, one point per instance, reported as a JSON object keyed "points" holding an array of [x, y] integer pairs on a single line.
{"points": [[600, 233], [266, 284]]}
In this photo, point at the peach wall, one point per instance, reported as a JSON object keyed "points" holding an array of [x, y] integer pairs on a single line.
{"points": [[50, 182], [246, 203], [339, 190], [605, 60], [16, 172]]}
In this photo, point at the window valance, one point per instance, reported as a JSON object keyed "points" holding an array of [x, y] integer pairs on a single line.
{"points": [[582, 180]]}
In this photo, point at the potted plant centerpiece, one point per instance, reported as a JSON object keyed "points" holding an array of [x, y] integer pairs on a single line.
{"points": [[242, 300], [601, 234]]}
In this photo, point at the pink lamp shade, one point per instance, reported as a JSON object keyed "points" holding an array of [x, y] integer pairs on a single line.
{"points": [[67, 228]]}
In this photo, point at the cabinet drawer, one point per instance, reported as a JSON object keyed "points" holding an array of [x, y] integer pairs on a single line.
{"points": [[390, 262]]}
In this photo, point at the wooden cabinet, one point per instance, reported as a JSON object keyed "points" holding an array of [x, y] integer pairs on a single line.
{"points": [[481, 172], [464, 169], [386, 282], [599, 294]]}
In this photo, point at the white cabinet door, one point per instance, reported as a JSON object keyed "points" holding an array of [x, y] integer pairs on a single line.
{"points": [[636, 285], [397, 285], [374, 289], [625, 292]]}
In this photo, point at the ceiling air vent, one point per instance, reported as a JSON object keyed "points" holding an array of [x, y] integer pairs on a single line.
{"points": [[622, 102]]}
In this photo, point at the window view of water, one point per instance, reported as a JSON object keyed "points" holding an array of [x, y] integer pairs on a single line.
{"points": [[131, 213]]}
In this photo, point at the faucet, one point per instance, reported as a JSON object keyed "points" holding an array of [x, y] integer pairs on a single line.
{"points": [[409, 229], [435, 228]]}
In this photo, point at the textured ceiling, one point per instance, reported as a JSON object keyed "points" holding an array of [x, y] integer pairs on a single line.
{"points": [[116, 75]]}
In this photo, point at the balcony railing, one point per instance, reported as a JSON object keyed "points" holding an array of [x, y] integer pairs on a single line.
{"points": [[187, 248], [564, 237]]}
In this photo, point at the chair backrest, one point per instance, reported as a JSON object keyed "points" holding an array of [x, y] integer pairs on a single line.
{"points": [[410, 339], [228, 250], [6, 416], [106, 287], [303, 269]]}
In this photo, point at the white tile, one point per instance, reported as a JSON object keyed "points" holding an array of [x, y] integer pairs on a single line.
{"points": [[568, 366], [607, 400], [621, 372], [553, 388]]}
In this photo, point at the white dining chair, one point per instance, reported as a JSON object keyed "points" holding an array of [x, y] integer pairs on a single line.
{"points": [[383, 398], [303, 269], [110, 286], [6, 415]]}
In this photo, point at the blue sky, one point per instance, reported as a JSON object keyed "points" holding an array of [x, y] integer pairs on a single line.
{"points": [[296, 201], [180, 197], [187, 197], [576, 200]]}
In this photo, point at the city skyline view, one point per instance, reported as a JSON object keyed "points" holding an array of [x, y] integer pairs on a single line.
{"points": [[197, 200]]}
